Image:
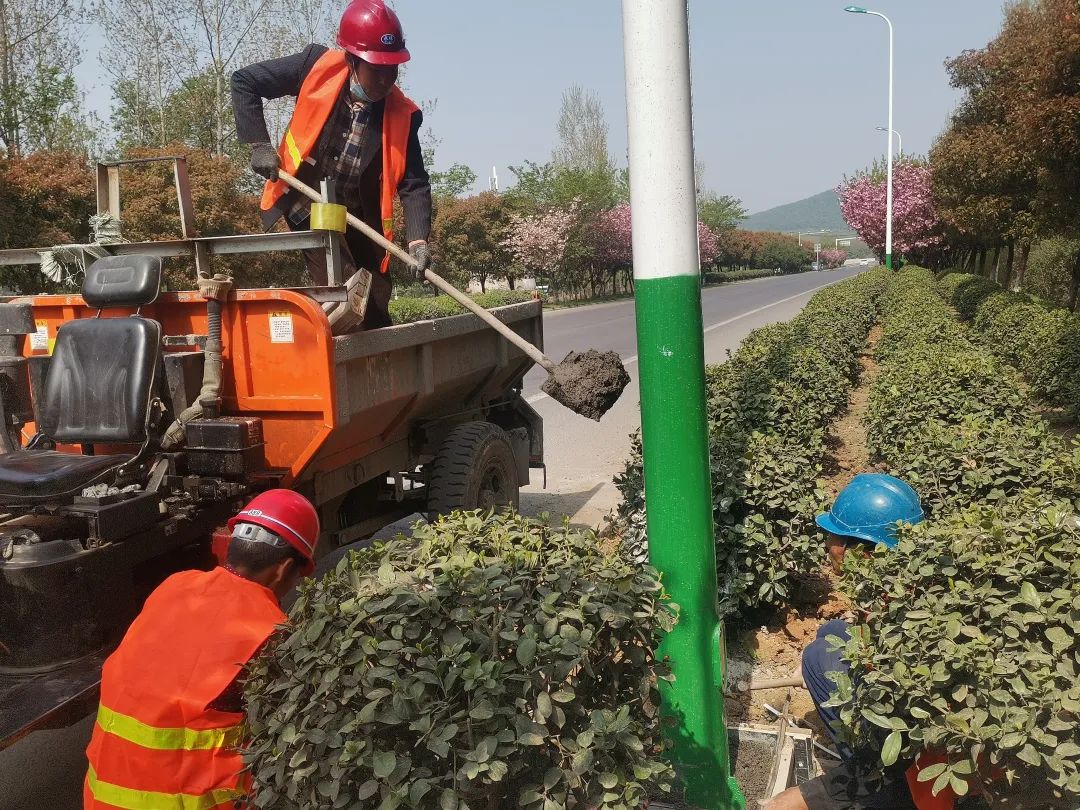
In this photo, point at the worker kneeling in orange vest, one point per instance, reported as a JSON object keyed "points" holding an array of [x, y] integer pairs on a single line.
{"points": [[352, 125], [171, 719]]}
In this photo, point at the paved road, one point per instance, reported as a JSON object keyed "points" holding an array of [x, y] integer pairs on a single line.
{"points": [[45, 770]]}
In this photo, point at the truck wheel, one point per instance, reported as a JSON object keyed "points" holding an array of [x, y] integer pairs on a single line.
{"points": [[473, 469]]}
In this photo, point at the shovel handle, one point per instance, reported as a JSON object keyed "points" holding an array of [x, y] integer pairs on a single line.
{"points": [[438, 281]]}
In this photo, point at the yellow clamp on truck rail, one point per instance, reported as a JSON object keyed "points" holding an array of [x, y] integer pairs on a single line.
{"points": [[328, 217]]}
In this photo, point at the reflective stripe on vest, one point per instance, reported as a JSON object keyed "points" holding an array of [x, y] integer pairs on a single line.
{"points": [[167, 739], [293, 150], [158, 741], [319, 94], [129, 799]]}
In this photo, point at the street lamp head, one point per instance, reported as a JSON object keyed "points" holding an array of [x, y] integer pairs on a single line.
{"points": [[855, 9], [882, 129]]}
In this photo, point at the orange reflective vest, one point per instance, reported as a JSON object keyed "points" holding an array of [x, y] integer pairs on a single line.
{"points": [[320, 92], [157, 743]]}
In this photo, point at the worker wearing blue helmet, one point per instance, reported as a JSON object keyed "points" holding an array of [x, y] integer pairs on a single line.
{"points": [[868, 512]]}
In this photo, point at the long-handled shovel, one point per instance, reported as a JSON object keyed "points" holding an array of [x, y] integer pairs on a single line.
{"points": [[588, 383]]}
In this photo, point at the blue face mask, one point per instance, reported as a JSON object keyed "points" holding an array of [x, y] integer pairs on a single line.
{"points": [[358, 93]]}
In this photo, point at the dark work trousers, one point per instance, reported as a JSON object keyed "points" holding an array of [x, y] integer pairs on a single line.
{"points": [[359, 252], [852, 785]]}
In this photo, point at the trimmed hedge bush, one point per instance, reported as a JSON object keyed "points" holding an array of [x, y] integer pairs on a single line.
{"points": [[726, 276], [971, 649], [768, 409], [487, 661], [948, 416], [1042, 342], [410, 310]]}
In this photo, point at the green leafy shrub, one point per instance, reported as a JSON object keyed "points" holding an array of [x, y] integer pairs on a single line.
{"points": [[427, 308], [971, 648], [768, 409], [1043, 343], [948, 416], [488, 661]]}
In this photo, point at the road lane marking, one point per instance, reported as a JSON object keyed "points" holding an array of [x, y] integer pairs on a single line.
{"points": [[631, 360]]}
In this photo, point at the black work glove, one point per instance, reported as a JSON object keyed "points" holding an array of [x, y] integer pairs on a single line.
{"points": [[421, 254], [265, 161]]}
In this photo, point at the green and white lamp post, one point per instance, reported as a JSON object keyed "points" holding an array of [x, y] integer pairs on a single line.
{"points": [[672, 363], [889, 129]]}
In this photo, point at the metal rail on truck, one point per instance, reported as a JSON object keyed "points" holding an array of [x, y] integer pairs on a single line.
{"points": [[201, 248]]}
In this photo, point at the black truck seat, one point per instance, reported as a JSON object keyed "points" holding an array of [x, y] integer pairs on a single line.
{"points": [[99, 387]]}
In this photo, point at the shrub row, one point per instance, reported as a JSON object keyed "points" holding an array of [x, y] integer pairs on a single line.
{"points": [[971, 649], [1043, 342], [768, 408], [410, 310], [948, 416], [487, 661], [970, 643], [724, 277]]}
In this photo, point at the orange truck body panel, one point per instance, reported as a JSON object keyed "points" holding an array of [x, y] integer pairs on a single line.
{"points": [[278, 361]]}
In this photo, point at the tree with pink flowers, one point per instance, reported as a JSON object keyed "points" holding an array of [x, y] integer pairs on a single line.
{"points": [[708, 245], [832, 258], [538, 242], [917, 231], [611, 237]]}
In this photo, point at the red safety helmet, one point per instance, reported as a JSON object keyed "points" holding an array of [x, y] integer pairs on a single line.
{"points": [[373, 32], [288, 515]]}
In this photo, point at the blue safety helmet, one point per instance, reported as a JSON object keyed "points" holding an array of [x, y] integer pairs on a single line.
{"points": [[870, 507]]}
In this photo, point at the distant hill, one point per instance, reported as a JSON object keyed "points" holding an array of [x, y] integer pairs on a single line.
{"points": [[822, 211]]}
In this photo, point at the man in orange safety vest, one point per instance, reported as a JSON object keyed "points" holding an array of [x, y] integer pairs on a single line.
{"points": [[170, 724], [352, 125]]}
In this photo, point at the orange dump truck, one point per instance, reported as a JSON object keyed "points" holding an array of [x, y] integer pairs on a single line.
{"points": [[136, 422]]}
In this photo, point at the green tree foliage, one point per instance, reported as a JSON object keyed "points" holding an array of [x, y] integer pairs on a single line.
{"points": [[720, 213], [455, 181], [469, 236], [39, 50], [740, 250], [487, 661], [583, 131]]}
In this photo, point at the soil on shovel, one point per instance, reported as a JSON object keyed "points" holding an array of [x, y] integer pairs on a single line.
{"points": [[588, 383]]}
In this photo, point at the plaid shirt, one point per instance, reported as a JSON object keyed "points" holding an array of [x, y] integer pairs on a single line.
{"points": [[344, 166], [341, 148]]}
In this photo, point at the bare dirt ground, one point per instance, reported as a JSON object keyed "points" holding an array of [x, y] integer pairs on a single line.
{"points": [[774, 650]]}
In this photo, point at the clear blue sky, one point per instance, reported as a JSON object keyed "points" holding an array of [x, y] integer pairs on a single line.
{"points": [[786, 93]]}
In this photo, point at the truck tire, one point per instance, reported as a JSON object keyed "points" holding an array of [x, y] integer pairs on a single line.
{"points": [[474, 468]]}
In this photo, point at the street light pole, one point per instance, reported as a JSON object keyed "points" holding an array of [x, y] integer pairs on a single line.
{"points": [[889, 164], [674, 430], [899, 141]]}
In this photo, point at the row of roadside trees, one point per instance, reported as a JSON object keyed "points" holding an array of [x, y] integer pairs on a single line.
{"points": [[999, 193]]}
